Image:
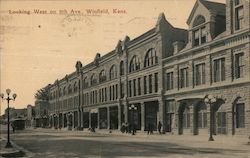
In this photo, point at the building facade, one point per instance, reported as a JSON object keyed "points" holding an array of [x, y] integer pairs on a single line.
{"points": [[165, 75]]}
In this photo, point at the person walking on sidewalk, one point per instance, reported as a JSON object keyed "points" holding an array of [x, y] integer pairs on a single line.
{"points": [[159, 127], [13, 127]]}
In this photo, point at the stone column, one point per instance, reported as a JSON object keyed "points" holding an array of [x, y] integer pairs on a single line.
{"points": [[192, 121], [175, 126], [126, 112], [161, 111], [98, 119], [208, 117], [108, 115], [82, 118], [119, 116], [230, 122], [89, 119], [78, 119], [142, 116]]}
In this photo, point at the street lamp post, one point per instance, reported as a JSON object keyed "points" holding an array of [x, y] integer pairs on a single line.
{"points": [[209, 99], [8, 145], [133, 108]]}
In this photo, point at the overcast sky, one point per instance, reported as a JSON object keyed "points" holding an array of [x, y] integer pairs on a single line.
{"points": [[37, 49]]}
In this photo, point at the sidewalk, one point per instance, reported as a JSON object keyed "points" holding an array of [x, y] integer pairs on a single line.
{"points": [[189, 140], [15, 151]]}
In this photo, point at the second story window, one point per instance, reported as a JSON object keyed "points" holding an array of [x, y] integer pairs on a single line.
{"points": [[85, 82], [219, 70], [93, 80], [122, 71], [200, 36], [200, 74], [184, 77], [113, 72], [199, 31], [238, 66], [150, 58], [102, 76], [134, 64], [169, 81], [239, 17], [69, 89]]}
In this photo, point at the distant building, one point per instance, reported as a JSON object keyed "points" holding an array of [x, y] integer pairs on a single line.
{"points": [[30, 116], [41, 118], [16, 113], [165, 75]]}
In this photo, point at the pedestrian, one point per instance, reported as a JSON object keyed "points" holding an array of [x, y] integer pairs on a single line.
{"points": [[159, 127], [126, 127], [148, 128], [151, 128], [13, 127]]}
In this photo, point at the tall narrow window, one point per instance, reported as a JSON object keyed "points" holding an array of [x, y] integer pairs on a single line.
{"points": [[122, 68], [145, 84], [139, 86], [102, 76], [122, 89], [199, 32], [156, 82], [134, 87], [239, 65], [240, 115], [150, 86], [130, 88], [93, 80], [150, 58], [200, 74], [169, 83], [134, 64], [183, 77], [112, 73], [219, 70], [239, 18]]}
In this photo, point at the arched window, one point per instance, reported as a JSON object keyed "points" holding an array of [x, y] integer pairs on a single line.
{"points": [[75, 87], [199, 20], [85, 82], [69, 89], [134, 64], [93, 80], [150, 58], [102, 76], [113, 72], [122, 68], [200, 31]]}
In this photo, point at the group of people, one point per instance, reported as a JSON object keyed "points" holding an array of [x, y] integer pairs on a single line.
{"points": [[151, 127], [128, 128]]}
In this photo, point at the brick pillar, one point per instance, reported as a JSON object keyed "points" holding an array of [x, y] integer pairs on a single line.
{"points": [[142, 116]]}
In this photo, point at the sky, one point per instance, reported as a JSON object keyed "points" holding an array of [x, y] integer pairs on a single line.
{"points": [[37, 48]]}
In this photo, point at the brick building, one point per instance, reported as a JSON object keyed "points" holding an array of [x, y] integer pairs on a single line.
{"points": [[165, 75]]}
